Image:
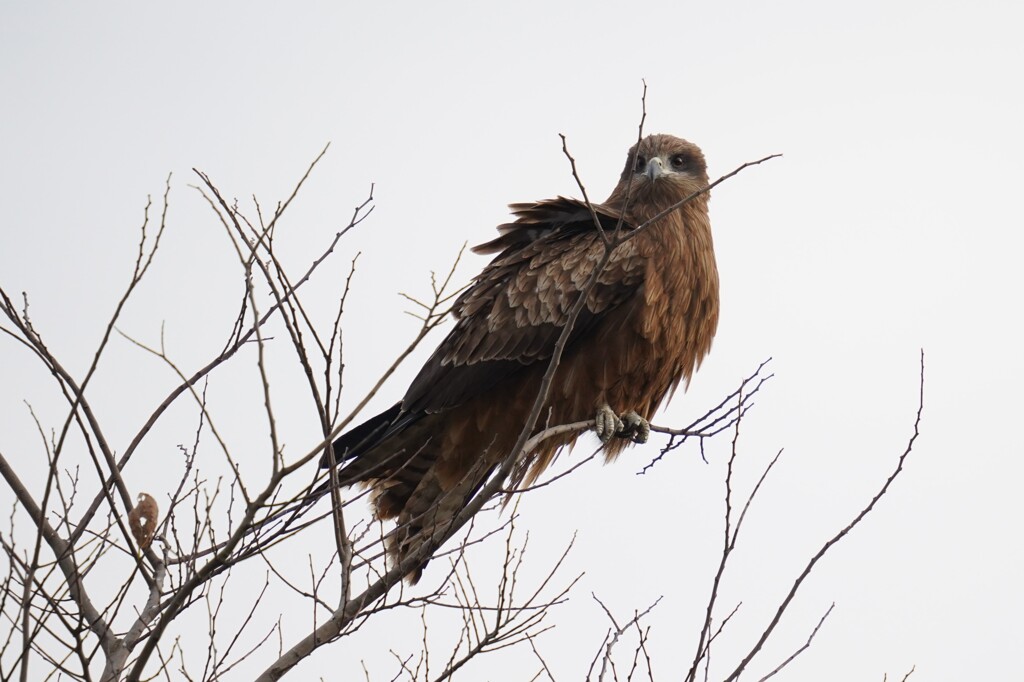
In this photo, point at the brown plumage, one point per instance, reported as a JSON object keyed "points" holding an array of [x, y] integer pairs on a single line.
{"points": [[645, 327]]}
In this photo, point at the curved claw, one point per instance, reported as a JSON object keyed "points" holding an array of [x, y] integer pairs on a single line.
{"points": [[634, 427], [607, 423]]}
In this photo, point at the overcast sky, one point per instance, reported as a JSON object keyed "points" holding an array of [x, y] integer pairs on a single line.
{"points": [[892, 223]]}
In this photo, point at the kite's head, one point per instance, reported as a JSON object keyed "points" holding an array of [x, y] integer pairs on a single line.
{"points": [[662, 169]]}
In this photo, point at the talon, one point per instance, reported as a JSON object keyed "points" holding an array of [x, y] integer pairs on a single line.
{"points": [[634, 427], [606, 423]]}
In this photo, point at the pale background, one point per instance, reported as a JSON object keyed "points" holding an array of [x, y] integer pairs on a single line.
{"points": [[892, 223]]}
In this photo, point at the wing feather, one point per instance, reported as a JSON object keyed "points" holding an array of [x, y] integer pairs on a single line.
{"points": [[512, 315]]}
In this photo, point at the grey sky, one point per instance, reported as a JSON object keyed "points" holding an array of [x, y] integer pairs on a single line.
{"points": [[892, 223]]}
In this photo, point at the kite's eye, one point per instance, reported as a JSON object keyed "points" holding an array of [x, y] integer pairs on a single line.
{"points": [[679, 161], [640, 164]]}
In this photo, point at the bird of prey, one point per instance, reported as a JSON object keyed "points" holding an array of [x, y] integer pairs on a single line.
{"points": [[645, 326]]}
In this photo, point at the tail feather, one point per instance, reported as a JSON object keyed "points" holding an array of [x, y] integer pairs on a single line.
{"points": [[358, 440], [399, 457], [429, 512]]}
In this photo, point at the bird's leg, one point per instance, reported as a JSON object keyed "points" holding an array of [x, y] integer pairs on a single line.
{"points": [[607, 423], [634, 427]]}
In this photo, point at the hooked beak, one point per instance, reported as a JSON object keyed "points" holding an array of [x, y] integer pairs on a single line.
{"points": [[655, 169]]}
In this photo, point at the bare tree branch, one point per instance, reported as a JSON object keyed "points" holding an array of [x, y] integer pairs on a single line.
{"points": [[838, 536]]}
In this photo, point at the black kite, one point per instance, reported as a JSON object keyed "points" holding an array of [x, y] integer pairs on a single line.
{"points": [[645, 327]]}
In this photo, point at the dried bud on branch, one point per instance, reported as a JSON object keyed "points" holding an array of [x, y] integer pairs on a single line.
{"points": [[142, 520]]}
